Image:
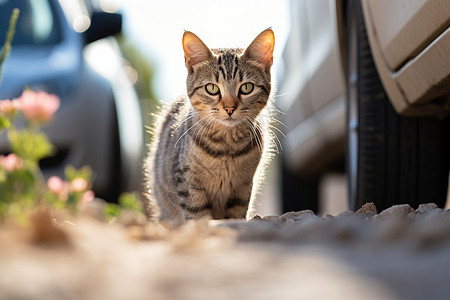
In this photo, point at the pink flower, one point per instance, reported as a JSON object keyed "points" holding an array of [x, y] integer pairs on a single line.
{"points": [[38, 106], [78, 185], [58, 187], [55, 184], [87, 197], [8, 107], [11, 162]]}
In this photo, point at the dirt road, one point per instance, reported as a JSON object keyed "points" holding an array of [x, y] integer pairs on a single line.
{"points": [[396, 254]]}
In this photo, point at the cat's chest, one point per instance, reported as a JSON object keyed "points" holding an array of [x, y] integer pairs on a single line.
{"points": [[222, 177], [224, 173]]}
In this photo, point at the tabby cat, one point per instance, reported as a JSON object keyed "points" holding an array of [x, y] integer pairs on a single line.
{"points": [[208, 145]]}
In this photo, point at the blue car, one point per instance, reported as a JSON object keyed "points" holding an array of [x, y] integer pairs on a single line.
{"points": [[99, 122]]}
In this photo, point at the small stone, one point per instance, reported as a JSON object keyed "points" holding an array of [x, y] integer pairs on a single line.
{"points": [[327, 217], [296, 216], [345, 214], [401, 210], [367, 208], [271, 218], [256, 218], [425, 208]]}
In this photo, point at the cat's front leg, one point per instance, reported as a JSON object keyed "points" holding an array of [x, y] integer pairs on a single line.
{"points": [[237, 205], [194, 202]]}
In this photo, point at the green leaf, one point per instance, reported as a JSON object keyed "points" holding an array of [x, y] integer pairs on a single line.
{"points": [[112, 210], [85, 172], [30, 146], [130, 201], [2, 177], [4, 122], [9, 37]]}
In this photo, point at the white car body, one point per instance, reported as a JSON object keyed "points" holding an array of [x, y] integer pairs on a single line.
{"points": [[409, 42]]}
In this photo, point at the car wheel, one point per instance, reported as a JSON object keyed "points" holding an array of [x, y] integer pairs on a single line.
{"points": [[391, 159]]}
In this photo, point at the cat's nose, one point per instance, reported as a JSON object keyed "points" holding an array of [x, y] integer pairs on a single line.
{"points": [[230, 109]]}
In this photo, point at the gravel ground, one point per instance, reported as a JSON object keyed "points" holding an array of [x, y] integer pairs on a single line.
{"points": [[396, 254]]}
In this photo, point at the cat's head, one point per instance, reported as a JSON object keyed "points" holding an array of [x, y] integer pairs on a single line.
{"points": [[229, 85]]}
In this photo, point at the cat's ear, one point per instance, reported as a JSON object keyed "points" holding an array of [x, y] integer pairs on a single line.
{"points": [[195, 51], [261, 49]]}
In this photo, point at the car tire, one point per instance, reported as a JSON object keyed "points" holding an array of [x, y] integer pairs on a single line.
{"points": [[391, 159], [298, 192], [114, 187], [116, 162]]}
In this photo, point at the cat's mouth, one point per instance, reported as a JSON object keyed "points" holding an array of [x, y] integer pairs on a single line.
{"points": [[230, 121]]}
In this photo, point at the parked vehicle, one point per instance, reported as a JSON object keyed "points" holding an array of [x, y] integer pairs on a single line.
{"points": [[369, 80], [99, 120]]}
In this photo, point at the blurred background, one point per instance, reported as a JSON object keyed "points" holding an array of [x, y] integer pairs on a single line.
{"points": [[113, 62]]}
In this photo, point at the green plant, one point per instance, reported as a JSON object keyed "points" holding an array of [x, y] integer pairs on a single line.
{"points": [[127, 201], [9, 37], [23, 187], [22, 184]]}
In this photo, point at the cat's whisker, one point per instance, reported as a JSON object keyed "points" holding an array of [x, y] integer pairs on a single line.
{"points": [[270, 114], [279, 122], [255, 130], [276, 110], [210, 125], [202, 130], [249, 121], [186, 132], [276, 141], [249, 132], [267, 131], [263, 131], [198, 128], [272, 110], [279, 95], [273, 137], [277, 129], [206, 121], [190, 115]]}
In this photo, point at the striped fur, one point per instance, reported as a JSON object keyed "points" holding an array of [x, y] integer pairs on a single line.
{"points": [[207, 147]]}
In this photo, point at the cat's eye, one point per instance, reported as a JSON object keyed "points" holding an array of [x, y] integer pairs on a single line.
{"points": [[246, 88], [212, 89]]}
